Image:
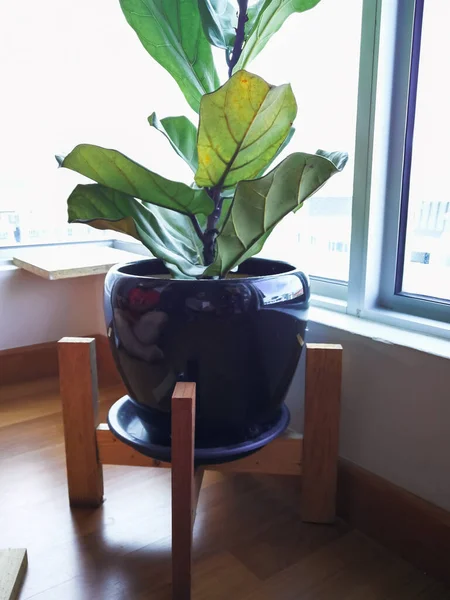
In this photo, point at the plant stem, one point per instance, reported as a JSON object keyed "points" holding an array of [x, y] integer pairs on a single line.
{"points": [[210, 235], [198, 229], [240, 37], [211, 232]]}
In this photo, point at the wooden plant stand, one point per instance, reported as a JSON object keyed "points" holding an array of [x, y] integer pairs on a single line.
{"points": [[89, 445]]}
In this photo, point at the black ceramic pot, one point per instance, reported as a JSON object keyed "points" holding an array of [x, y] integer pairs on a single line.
{"points": [[239, 339]]}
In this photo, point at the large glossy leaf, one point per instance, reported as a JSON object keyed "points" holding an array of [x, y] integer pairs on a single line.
{"points": [[182, 135], [252, 15], [115, 170], [284, 145], [168, 235], [242, 126], [171, 31], [229, 192], [259, 205], [265, 20], [219, 20]]}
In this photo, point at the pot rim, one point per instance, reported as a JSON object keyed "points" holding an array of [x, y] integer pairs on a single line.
{"points": [[291, 271]]}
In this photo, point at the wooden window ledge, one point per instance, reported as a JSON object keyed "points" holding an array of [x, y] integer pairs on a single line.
{"points": [[64, 262]]}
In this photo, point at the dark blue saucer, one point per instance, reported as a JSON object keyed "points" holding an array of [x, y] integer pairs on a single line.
{"points": [[125, 423]]}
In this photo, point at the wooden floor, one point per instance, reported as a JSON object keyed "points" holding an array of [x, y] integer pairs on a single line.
{"points": [[249, 541]]}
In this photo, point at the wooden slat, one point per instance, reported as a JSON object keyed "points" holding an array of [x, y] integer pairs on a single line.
{"points": [[183, 488], [280, 457], [70, 261], [79, 396], [283, 456], [13, 565], [111, 451], [321, 432]]}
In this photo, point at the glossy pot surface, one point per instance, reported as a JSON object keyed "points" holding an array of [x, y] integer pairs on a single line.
{"points": [[239, 339]]}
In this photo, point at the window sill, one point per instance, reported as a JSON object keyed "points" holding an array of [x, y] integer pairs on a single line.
{"points": [[370, 325], [68, 260]]}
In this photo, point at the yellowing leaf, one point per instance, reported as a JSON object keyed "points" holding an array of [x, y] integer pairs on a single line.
{"points": [[242, 126]]}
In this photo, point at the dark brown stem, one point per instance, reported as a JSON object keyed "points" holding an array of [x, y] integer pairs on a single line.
{"points": [[240, 37], [211, 233]]}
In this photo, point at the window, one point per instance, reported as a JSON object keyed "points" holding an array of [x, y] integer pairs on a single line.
{"points": [[370, 77], [399, 246], [415, 273], [424, 247]]}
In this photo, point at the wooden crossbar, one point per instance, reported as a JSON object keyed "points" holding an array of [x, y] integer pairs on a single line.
{"points": [[283, 456]]}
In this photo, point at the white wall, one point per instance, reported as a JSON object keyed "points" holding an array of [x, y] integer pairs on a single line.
{"points": [[395, 416], [395, 405], [34, 310]]}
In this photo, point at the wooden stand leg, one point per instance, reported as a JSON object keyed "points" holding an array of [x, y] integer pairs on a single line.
{"points": [[185, 488], [79, 396], [321, 432]]}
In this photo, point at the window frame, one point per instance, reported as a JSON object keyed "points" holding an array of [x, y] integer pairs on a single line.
{"points": [[402, 113], [387, 86], [353, 291]]}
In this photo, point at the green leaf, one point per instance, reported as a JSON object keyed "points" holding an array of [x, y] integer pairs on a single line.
{"points": [[114, 170], [171, 31], [229, 192], [279, 151], [219, 20], [182, 135], [168, 235], [266, 18], [339, 159], [252, 14], [242, 126], [259, 205]]}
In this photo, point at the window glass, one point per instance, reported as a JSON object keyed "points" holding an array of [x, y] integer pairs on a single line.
{"points": [[321, 61], [426, 268], [73, 72]]}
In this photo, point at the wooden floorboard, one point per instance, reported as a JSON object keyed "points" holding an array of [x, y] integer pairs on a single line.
{"points": [[249, 543]]}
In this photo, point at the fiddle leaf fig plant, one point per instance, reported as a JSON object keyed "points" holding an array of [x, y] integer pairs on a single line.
{"points": [[235, 201]]}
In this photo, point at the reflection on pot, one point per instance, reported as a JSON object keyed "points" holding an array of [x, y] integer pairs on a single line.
{"points": [[140, 337]]}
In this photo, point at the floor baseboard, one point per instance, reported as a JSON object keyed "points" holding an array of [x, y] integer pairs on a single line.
{"points": [[38, 361], [27, 363], [412, 527]]}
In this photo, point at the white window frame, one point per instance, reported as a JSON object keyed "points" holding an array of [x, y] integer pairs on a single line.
{"points": [[353, 293], [386, 45]]}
